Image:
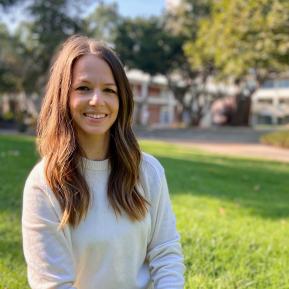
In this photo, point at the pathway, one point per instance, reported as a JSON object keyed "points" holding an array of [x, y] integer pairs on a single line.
{"points": [[224, 141]]}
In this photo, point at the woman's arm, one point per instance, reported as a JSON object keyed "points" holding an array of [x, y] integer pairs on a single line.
{"points": [[164, 250], [47, 250]]}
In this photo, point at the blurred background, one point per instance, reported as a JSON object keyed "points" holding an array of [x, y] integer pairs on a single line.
{"points": [[210, 80], [191, 63]]}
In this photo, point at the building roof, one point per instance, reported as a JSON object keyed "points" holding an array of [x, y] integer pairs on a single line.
{"points": [[139, 76]]}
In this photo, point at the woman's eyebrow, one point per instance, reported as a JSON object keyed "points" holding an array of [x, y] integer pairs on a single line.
{"points": [[110, 84], [80, 80], [85, 80]]}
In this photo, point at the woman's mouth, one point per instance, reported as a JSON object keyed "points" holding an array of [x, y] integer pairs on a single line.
{"points": [[95, 115]]}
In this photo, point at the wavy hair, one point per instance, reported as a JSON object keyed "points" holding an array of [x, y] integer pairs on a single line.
{"points": [[57, 141]]}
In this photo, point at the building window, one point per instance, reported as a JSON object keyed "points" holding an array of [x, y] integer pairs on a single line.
{"points": [[264, 119], [164, 115], [265, 101], [277, 83], [282, 83], [284, 101], [268, 84]]}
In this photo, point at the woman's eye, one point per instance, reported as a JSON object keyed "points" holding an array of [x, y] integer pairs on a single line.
{"points": [[109, 90], [83, 88]]}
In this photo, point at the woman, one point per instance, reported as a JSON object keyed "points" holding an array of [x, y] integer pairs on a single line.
{"points": [[96, 211]]}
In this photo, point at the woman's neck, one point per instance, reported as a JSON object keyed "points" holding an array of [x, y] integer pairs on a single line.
{"points": [[95, 148]]}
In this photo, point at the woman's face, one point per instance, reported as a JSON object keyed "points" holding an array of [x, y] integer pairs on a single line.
{"points": [[93, 99]]}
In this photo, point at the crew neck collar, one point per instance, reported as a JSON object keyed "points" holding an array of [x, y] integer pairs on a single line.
{"points": [[95, 165]]}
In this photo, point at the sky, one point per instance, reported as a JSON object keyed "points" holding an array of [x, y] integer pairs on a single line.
{"points": [[131, 8], [134, 8]]}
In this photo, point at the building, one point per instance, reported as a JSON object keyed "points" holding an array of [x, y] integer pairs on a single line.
{"points": [[155, 105], [270, 103]]}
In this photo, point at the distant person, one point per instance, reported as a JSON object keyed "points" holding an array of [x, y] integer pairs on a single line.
{"points": [[96, 210]]}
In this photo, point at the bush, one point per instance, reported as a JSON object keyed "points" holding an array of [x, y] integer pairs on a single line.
{"points": [[8, 116], [279, 139]]}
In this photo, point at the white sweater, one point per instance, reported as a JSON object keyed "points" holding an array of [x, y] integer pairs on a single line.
{"points": [[104, 251]]}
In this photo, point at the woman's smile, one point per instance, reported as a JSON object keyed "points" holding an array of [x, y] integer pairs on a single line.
{"points": [[95, 116]]}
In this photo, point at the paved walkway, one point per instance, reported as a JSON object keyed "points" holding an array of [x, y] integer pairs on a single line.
{"points": [[256, 151], [224, 141]]}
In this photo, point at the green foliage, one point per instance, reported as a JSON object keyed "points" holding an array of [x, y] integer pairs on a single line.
{"points": [[51, 25], [241, 39], [242, 35], [278, 138], [27, 53], [7, 3], [184, 18], [183, 22], [232, 214], [10, 80], [151, 45], [102, 22], [142, 43], [9, 116]]}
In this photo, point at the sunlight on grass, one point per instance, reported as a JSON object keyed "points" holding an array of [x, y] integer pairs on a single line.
{"points": [[232, 214]]}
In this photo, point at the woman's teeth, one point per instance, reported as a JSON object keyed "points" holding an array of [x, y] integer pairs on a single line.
{"points": [[95, 116]]}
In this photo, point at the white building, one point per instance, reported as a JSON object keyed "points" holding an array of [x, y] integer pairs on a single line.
{"points": [[270, 103], [154, 102]]}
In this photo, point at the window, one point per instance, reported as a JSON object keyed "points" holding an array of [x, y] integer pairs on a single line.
{"points": [[264, 119], [276, 83], [265, 101], [268, 84], [282, 83], [284, 101]]}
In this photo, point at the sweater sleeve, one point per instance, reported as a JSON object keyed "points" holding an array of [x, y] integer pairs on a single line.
{"points": [[47, 250], [164, 250]]}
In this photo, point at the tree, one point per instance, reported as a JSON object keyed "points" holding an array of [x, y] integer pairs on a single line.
{"points": [[182, 21], [8, 3], [51, 25], [51, 22], [10, 62], [25, 54], [102, 22], [243, 38], [155, 45], [143, 44], [11, 79]]}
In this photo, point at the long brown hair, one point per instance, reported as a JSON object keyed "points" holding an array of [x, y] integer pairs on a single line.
{"points": [[58, 145]]}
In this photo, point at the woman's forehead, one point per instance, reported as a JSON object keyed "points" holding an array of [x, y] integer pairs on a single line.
{"points": [[90, 67]]}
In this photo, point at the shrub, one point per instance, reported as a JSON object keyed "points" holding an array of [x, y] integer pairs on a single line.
{"points": [[278, 138]]}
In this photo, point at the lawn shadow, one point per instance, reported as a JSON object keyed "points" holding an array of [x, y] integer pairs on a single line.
{"points": [[261, 187]]}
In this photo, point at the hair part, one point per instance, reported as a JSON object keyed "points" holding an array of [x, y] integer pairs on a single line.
{"points": [[57, 141]]}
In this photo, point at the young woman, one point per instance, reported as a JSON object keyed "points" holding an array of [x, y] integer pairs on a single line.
{"points": [[96, 211]]}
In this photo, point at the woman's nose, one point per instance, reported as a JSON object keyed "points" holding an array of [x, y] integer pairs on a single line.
{"points": [[95, 97]]}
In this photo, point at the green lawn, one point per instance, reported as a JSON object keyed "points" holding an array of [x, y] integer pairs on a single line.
{"points": [[232, 213]]}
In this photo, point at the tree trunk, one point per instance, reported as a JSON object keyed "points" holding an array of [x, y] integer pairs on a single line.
{"points": [[241, 116]]}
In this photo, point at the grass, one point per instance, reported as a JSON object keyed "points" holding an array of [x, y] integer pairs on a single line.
{"points": [[233, 215], [279, 138], [16, 157]]}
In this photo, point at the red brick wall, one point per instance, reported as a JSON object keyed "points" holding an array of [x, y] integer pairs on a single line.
{"points": [[154, 114], [154, 91]]}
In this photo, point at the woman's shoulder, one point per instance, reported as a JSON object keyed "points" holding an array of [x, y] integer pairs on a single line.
{"points": [[151, 168], [36, 175]]}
